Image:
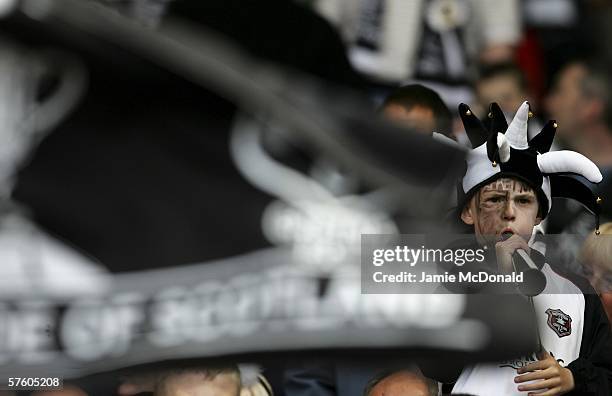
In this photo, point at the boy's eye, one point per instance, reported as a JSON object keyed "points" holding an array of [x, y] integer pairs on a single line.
{"points": [[524, 201], [495, 199]]}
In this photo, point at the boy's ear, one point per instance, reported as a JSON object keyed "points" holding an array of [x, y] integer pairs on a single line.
{"points": [[466, 214]]}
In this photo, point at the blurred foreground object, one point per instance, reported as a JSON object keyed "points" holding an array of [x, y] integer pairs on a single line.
{"points": [[35, 264], [166, 173]]}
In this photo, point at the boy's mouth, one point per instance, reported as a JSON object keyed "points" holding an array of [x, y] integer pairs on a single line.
{"points": [[505, 234]]}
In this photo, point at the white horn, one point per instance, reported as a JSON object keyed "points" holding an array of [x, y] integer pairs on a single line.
{"points": [[504, 147], [569, 161], [517, 130]]}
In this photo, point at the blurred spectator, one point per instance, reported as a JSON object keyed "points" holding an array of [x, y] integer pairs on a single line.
{"points": [[133, 385], [188, 381], [437, 41], [506, 84], [196, 381], [596, 256], [68, 390], [414, 106], [419, 108], [203, 382], [503, 83], [581, 103], [328, 378], [401, 383]]}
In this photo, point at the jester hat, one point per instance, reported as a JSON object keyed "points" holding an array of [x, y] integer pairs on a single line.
{"points": [[501, 150]]}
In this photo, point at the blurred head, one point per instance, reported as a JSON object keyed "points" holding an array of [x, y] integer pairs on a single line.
{"points": [[199, 382], [68, 390], [419, 108], [401, 383], [503, 83], [504, 205], [579, 99], [595, 257]]}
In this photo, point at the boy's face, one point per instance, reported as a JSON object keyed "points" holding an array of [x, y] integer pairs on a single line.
{"points": [[505, 205]]}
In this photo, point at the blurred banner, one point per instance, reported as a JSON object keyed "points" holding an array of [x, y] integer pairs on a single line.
{"points": [[251, 307]]}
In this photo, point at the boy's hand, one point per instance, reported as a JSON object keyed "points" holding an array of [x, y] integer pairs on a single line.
{"points": [[554, 379], [504, 250]]}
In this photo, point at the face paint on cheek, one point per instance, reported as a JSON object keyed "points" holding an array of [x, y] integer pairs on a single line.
{"points": [[487, 215], [486, 223]]}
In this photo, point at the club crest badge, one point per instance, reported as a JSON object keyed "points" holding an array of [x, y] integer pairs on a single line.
{"points": [[559, 322]]}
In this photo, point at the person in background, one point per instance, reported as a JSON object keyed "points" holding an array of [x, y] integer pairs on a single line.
{"points": [[596, 257], [581, 103], [401, 383], [193, 382], [68, 390], [418, 108], [504, 83]]}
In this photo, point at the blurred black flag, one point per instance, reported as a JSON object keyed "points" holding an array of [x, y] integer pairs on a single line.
{"points": [[140, 175]]}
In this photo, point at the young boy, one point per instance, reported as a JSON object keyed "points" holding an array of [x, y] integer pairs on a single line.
{"points": [[505, 192]]}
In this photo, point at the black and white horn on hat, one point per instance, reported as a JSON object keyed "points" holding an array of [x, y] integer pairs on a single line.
{"points": [[502, 150], [543, 141], [474, 128], [569, 162], [498, 149], [495, 119], [517, 130]]}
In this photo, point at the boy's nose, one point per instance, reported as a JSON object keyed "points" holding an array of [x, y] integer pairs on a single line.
{"points": [[509, 211]]}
